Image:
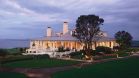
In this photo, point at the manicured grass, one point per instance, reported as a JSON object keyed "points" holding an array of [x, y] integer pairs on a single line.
{"points": [[11, 75], [125, 68], [122, 53], [39, 63], [107, 57], [103, 57]]}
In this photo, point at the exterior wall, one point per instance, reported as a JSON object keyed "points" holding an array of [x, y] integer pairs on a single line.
{"points": [[44, 44], [110, 44], [48, 47]]}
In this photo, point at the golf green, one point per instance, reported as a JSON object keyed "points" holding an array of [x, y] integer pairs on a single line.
{"points": [[125, 68]]}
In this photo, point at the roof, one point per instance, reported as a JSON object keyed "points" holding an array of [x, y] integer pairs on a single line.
{"points": [[68, 37], [106, 39]]}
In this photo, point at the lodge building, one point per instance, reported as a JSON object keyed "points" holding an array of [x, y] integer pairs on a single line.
{"points": [[53, 41]]}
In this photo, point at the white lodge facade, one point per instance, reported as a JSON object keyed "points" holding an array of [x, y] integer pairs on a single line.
{"points": [[52, 42]]}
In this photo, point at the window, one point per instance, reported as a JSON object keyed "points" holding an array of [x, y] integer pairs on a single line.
{"points": [[33, 44]]}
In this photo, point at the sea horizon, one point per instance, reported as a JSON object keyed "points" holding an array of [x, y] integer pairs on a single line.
{"points": [[14, 43]]}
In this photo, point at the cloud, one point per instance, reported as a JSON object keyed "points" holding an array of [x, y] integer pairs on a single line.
{"points": [[37, 14]]}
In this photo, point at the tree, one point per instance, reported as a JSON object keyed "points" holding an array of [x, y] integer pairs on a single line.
{"points": [[87, 28], [124, 39]]}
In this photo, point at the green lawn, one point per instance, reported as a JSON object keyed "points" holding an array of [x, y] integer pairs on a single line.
{"points": [[125, 68], [11, 75], [38, 63]]}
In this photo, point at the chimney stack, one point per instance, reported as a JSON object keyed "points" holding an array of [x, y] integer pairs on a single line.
{"points": [[49, 32], [65, 28]]}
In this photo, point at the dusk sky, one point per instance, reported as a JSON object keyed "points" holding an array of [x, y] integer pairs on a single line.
{"points": [[28, 19]]}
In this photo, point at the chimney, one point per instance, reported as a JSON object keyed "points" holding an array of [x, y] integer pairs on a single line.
{"points": [[65, 28], [49, 32]]}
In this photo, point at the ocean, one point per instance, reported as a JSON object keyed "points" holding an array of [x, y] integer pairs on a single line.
{"points": [[14, 43]]}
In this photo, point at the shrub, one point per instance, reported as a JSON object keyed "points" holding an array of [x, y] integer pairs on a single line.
{"points": [[116, 48], [13, 51], [77, 55], [61, 49], [67, 49], [106, 50], [3, 53], [94, 53]]}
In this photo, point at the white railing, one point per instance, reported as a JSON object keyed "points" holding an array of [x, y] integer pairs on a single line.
{"points": [[50, 52]]}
